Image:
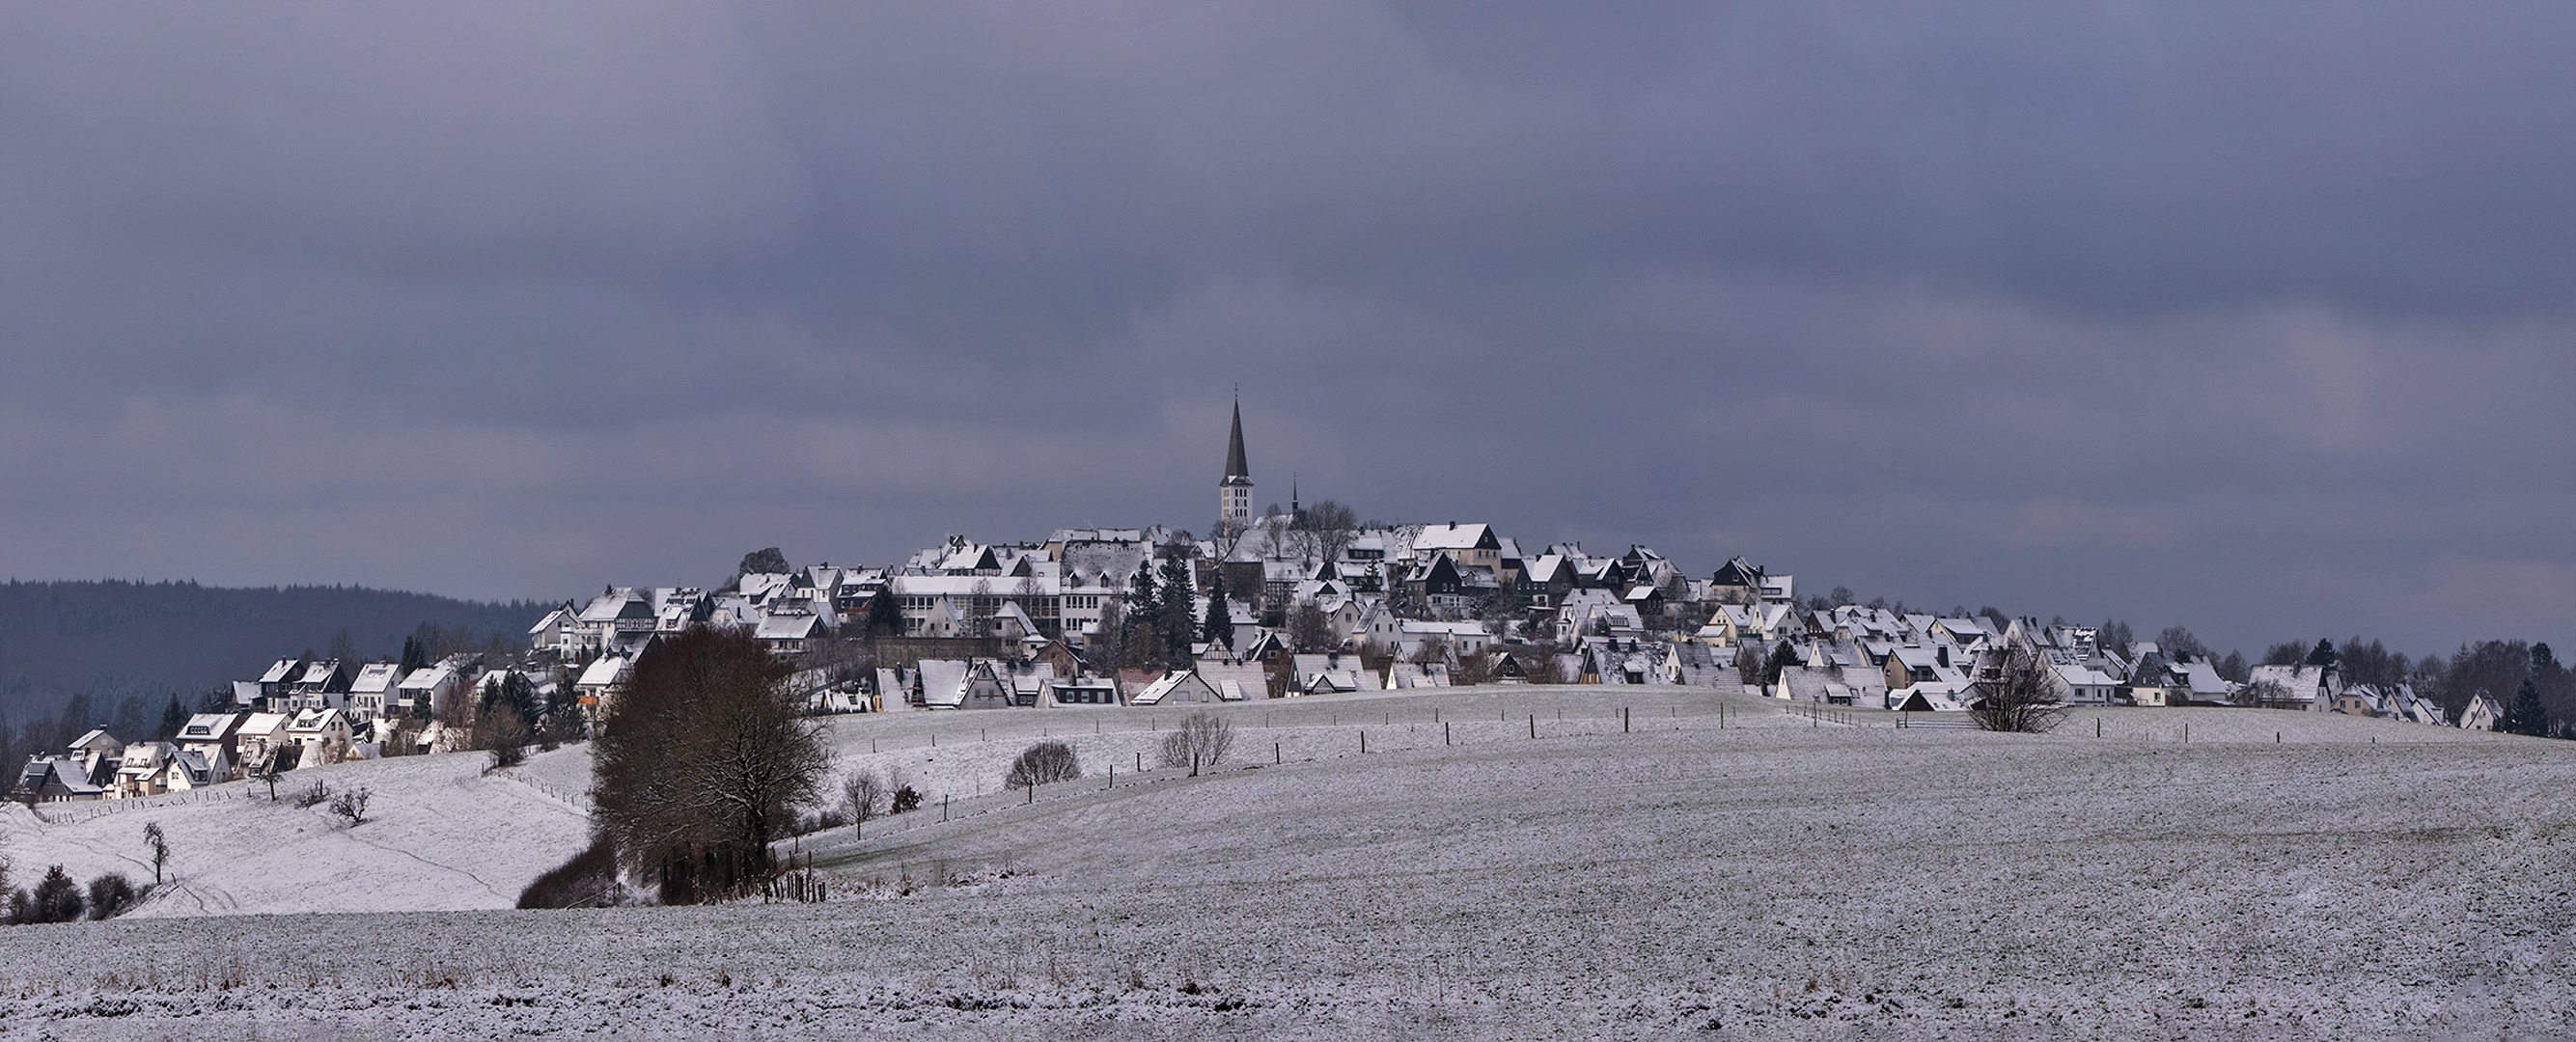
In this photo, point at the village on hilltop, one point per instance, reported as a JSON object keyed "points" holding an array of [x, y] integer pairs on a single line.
{"points": [[1275, 604]]}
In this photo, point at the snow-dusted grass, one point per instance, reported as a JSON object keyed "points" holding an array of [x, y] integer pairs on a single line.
{"points": [[1779, 878]]}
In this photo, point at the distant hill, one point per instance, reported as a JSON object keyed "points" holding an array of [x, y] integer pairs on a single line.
{"points": [[113, 639]]}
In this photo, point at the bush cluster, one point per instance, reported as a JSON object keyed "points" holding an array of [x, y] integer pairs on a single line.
{"points": [[57, 899]]}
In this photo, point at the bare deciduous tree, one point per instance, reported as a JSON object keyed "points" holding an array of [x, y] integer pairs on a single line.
{"points": [[862, 790], [1475, 669], [154, 843], [270, 768], [2016, 696], [1202, 740], [2261, 691], [1328, 527]]}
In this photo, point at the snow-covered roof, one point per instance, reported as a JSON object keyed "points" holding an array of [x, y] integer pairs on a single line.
{"points": [[375, 678], [315, 721], [1235, 682], [943, 683], [263, 725], [209, 727], [605, 671], [427, 678], [1451, 537], [787, 626]]}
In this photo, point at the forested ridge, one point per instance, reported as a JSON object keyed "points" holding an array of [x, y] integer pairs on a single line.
{"points": [[113, 639]]}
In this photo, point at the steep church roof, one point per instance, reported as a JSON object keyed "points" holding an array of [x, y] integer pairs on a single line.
{"points": [[1234, 465]]}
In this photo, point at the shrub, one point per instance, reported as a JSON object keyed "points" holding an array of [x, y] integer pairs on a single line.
{"points": [[110, 895], [351, 804], [1041, 764], [588, 880], [906, 798], [1202, 740]]}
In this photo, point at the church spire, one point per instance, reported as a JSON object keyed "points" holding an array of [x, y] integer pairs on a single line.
{"points": [[1234, 465], [1234, 491]]}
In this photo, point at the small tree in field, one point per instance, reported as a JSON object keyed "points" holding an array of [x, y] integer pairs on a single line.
{"points": [[351, 804], [862, 789], [501, 731], [272, 767], [155, 844], [1041, 764], [2016, 696], [1202, 740]]}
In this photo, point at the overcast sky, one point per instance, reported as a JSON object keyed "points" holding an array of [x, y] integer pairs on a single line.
{"points": [[2251, 317]]}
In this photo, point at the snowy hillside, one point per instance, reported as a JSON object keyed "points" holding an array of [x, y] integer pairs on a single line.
{"points": [[2282, 875], [440, 835]]}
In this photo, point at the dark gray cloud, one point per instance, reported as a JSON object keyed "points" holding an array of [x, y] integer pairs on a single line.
{"points": [[2249, 317]]}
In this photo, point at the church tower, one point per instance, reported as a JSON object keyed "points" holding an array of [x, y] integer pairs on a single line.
{"points": [[1234, 493]]}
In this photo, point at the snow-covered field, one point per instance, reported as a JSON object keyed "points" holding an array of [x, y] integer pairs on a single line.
{"points": [[2278, 876]]}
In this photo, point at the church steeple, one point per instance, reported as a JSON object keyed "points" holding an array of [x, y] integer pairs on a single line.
{"points": [[1234, 466], [1234, 491]]}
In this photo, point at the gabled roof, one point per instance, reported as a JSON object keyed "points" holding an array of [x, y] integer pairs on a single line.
{"points": [[263, 725], [787, 626], [604, 608], [427, 678], [194, 765], [1235, 683], [209, 727], [279, 671], [315, 721], [1175, 681], [1737, 572], [943, 682], [375, 678], [604, 671], [1455, 537]]}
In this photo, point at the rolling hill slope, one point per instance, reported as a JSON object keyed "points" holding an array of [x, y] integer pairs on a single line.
{"points": [[2280, 876]]}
